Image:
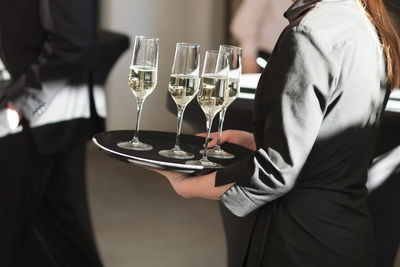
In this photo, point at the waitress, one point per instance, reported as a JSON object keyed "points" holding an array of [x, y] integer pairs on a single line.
{"points": [[316, 117]]}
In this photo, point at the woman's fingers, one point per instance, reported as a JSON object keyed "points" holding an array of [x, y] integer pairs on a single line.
{"points": [[214, 138], [212, 143], [212, 135]]}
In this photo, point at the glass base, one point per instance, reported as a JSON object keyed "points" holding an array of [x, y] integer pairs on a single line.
{"points": [[176, 154], [203, 162], [218, 153], [139, 146]]}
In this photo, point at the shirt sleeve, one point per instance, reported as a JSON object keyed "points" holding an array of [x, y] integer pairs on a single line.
{"points": [[295, 87]]}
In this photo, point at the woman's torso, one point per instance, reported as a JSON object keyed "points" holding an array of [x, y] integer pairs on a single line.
{"points": [[323, 220]]}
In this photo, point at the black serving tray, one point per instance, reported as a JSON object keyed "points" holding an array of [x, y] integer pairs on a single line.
{"points": [[107, 143]]}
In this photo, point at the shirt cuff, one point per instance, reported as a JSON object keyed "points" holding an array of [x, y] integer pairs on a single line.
{"points": [[237, 202], [29, 104]]}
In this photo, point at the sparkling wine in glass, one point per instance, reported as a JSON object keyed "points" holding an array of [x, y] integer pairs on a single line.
{"points": [[183, 87], [235, 70], [142, 81], [211, 96]]}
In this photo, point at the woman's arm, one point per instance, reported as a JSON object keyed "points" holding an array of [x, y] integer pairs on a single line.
{"points": [[291, 101], [202, 186], [299, 86]]}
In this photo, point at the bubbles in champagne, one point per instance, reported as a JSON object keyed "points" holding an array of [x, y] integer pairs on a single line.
{"points": [[183, 88], [212, 93], [142, 80]]}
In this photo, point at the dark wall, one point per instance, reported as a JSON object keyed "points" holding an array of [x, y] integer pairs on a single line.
{"points": [[393, 7]]}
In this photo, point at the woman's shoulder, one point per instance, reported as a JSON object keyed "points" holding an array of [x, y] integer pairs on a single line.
{"points": [[332, 24]]}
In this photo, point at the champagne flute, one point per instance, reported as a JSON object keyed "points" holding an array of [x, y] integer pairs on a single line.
{"points": [[142, 81], [211, 96], [235, 70], [183, 87]]}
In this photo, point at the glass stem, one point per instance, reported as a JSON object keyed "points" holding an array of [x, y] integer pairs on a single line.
{"points": [[139, 105], [220, 125], [209, 121], [181, 109]]}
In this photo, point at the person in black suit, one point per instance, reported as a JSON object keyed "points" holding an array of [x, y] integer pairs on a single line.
{"points": [[47, 113]]}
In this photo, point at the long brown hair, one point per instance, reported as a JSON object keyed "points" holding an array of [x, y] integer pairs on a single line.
{"points": [[379, 16]]}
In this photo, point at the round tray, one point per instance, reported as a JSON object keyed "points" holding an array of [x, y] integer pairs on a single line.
{"points": [[107, 143]]}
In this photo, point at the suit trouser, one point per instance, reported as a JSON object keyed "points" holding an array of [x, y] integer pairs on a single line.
{"points": [[44, 217]]}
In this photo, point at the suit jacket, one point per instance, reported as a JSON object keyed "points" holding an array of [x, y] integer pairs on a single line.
{"points": [[44, 40], [50, 50]]}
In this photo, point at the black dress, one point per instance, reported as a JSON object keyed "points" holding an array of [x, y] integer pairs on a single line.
{"points": [[302, 194]]}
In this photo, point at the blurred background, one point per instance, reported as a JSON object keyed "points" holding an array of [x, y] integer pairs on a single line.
{"points": [[202, 22]]}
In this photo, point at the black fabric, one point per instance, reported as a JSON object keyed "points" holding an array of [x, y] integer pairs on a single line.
{"points": [[47, 192], [384, 204], [238, 232], [58, 44], [43, 209], [110, 47], [47, 40], [14, 16], [56, 137], [323, 218], [19, 161], [389, 133]]}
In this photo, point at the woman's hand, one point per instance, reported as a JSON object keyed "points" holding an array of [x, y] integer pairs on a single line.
{"points": [[241, 138], [202, 186], [176, 180]]}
